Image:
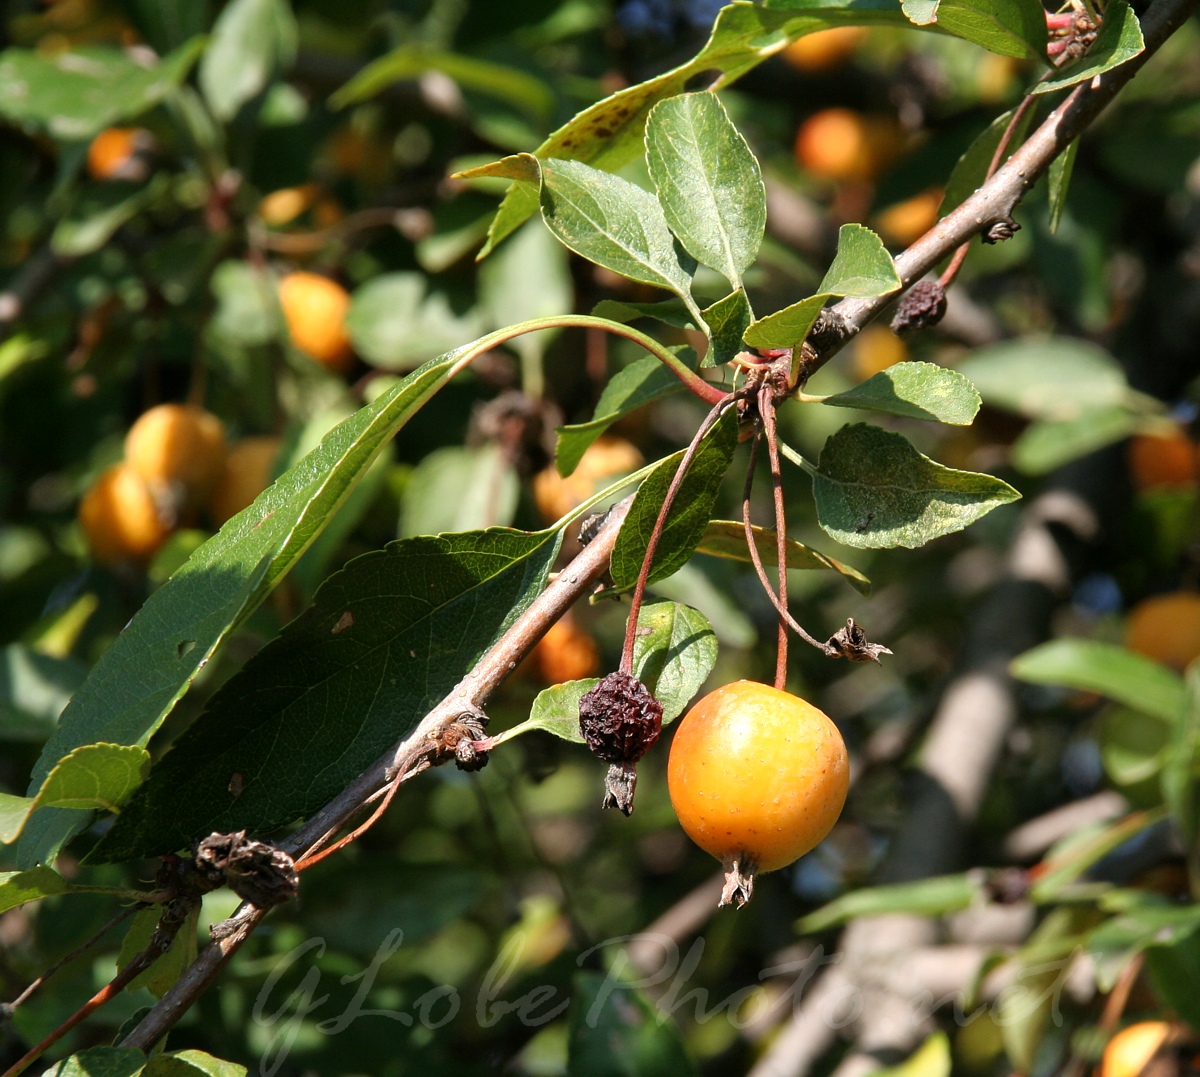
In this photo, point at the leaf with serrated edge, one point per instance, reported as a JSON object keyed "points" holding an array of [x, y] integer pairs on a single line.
{"points": [[1118, 40], [709, 183], [1115, 672], [916, 390], [191, 1064], [13, 813], [670, 311], [874, 490], [727, 321], [689, 514], [96, 776], [608, 134], [727, 538], [615, 224], [1008, 27], [640, 383], [101, 1062], [673, 654], [18, 887], [862, 267], [386, 638], [171, 638]]}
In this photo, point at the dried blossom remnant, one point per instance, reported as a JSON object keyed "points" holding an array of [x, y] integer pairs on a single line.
{"points": [[458, 741], [851, 642], [256, 871], [922, 306], [620, 720], [1000, 230], [828, 331]]}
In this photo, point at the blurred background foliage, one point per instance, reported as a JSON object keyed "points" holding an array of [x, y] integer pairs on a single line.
{"points": [[152, 224]]}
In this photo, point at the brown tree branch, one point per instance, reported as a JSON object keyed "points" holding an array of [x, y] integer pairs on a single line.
{"points": [[467, 698], [998, 197]]}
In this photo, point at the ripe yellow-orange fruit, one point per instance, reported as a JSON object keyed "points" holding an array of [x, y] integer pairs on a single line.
{"points": [[1166, 628], [876, 348], [907, 221], [757, 778], [1155, 460], [315, 308], [178, 449], [841, 144], [605, 459], [247, 473], [120, 518], [566, 653], [285, 205], [1132, 1048], [825, 49], [119, 153]]}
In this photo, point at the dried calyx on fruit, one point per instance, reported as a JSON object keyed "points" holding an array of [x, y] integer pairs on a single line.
{"points": [[620, 720]]}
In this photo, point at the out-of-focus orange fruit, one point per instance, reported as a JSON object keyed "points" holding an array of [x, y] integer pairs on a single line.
{"points": [[841, 144], [315, 308], [876, 348], [1130, 1049], [285, 205], [1155, 460], [605, 459], [907, 221], [120, 153], [1166, 628], [566, 653], [120, 517], [825, 49], [247, 473], [177, 448]]}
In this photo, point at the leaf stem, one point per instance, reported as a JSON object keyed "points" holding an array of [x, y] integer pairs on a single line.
{"points": [[798, 460]]}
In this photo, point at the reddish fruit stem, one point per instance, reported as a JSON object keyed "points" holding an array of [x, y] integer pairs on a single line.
{"points": [[761, 570], [635, 605], [766, 408]]}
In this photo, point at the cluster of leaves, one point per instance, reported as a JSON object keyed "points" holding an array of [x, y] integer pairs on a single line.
{"points": [[168, 286]]}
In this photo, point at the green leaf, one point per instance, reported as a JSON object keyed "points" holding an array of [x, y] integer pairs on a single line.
{"points": [[708, 182], [1008, 27], [727, 321], [99, 213], [1119, 39], [1059, 182], [14, 811], [616, 1031], [673, 654], [916, 390], [925, 897], [1142, 921], [1054, 378], [247, 303], [96, 776], [643, 381], [75, 95], [160, 977], [931, 1059], [511, 85], [34, 689], [252, 41], [874, 490], [615, 224], [191, 1064], [149, 666], [1074, 855], [395, 325], [671, 311], [972, 167], [727, 538], [609, 134], [1174, 971], [861, 267], [1092, 666], [1133, 747], [1048, 444], [386, 638], [100, 1062], [530, 278], [1179, 774], [18, 887], [485, 491], [689, 514]]}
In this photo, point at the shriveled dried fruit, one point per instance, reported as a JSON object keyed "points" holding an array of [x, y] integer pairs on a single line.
{"points": [[620, 720]]}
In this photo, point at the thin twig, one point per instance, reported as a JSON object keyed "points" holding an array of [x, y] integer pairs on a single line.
{"points": [[766, 409]]}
